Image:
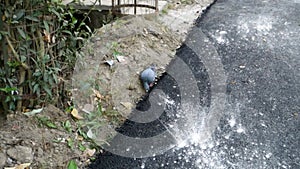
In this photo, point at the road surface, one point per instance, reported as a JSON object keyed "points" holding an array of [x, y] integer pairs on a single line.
{"points": [[231, 98]]}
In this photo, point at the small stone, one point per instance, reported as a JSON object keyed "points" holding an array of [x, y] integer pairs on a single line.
{"points": [[2, 160], [56, 151], [22, 154], [88, 108], [40, 152], [9, 161]]}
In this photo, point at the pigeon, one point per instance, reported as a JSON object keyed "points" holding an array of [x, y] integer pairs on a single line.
{"points": [[148, 77]]}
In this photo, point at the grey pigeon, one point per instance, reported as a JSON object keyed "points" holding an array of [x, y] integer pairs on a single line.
{"points": [[148, 77]]}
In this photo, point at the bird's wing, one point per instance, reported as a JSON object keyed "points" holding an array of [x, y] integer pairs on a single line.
{"points": [[148, 75]]}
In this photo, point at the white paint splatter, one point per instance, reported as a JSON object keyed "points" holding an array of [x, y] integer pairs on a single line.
{"points": [[220, 36], [240, 129], [269, 155], [232, 122]]}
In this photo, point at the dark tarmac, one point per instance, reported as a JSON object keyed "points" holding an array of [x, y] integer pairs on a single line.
{"points": [[230, 99]]}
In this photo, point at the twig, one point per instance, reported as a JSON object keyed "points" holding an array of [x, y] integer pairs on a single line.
{"points": [[15, 54]]}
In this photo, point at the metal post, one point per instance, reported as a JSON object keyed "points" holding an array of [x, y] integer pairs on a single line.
{"points": [[135, 6], [156, 5]]}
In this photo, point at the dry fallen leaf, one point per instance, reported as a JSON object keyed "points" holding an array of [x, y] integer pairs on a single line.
{"points": [[80, 138], [109, 62], [47, 36], [53, 39], [146, 31], [75, 114], [89, 152], [21, 166], [90, 134], [98, 95], [33, 112], [127, 105], [121, 58]]}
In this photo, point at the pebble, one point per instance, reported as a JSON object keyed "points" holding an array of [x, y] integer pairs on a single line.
{"points": [[40, 152], [2, 160], [9, 161], [22, 154]]}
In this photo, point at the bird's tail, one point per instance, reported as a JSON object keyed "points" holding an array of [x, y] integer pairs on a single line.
{"points": [[146, 86]]}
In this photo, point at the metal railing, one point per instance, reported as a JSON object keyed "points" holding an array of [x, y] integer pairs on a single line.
{"points": [[135, 6]]}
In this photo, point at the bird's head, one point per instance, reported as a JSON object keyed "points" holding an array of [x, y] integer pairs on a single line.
{"points": [[153, 67]]}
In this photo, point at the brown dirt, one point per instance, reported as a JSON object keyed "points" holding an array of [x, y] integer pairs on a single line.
{"points": [[141, 41], [48, 152]]}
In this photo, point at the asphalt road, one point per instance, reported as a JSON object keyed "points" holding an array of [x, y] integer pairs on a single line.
{"points": [[241, 106]]}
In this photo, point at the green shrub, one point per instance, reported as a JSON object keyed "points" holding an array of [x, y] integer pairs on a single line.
{"points": [[40, 42]]}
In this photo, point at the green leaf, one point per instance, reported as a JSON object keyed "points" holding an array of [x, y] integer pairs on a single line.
{"points": [[88, 28], [23, 58], [116, 53], [22, 33], [7, 14], [56, 140], [67, 126], [4, 33], [72, 165], [48, 91], [55, 78], [46, 77], [51, 83], [15, 22], [81, 147], [74, 20], [35, 88], [12, 106], [70, 143], [32, 18], [8, 89], [45, 121], [56, 13], [13, 64], [7, 99], [46, 26], [19, 14], [69, 109], [82, 134], [51, 125], [55, 1], [66, 31], [37, 73]]}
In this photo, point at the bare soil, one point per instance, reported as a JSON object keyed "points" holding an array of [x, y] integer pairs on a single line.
{"points": [[133, 43]]}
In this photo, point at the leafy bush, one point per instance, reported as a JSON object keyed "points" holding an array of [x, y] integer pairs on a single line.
{"points": [[40, 42]]}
